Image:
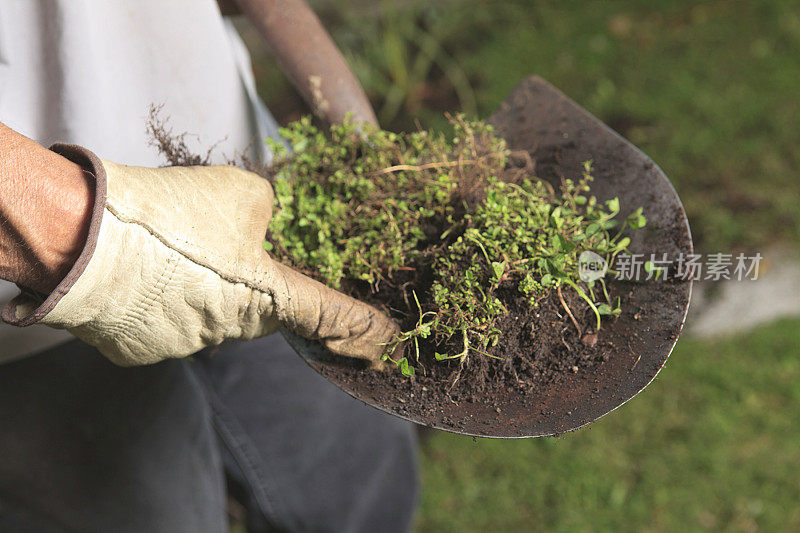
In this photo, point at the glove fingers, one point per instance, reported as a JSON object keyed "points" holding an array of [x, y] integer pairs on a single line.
{"points": [[344, 325]]}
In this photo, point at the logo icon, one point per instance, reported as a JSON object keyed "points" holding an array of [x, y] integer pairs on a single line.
{"points": [[591, 266]]}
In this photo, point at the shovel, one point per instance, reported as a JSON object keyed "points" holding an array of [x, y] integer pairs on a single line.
{"points": [[559, 136]]}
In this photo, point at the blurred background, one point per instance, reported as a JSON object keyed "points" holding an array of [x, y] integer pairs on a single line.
{"points": [[711, 92]]}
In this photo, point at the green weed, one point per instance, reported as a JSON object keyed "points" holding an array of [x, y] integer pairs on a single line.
{"points": [[421, 212]]}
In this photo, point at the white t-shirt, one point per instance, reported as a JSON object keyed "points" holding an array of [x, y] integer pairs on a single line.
{"points": [[87, 71]]}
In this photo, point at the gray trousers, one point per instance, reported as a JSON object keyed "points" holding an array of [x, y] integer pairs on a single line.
{"points": [[88, 446]]}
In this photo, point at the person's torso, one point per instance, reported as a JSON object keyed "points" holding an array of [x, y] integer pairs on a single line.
{"points": [[88, 71]]}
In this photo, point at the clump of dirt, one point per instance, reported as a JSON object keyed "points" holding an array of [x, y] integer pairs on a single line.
{"points": [[539, 344]]}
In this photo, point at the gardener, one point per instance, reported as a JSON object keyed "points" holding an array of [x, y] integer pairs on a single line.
{"points": [[148, 265]]}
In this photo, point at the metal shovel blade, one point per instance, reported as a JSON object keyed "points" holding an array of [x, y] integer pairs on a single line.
{"points": [[559, 136]]}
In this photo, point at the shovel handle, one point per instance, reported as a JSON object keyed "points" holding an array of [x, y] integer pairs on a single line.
{"points": [[310, 58]]}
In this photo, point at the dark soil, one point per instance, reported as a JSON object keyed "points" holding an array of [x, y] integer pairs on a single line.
{"points": [[539, 345], [530, 383]]}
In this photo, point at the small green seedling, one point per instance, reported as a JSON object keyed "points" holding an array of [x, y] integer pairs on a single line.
{"points": [[402, 364]]}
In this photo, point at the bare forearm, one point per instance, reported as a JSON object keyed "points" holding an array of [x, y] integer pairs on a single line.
{"points": [[45, 205], [309, 58]]}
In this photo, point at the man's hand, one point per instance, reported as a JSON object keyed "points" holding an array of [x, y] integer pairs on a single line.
{"points": [[45, 206], [174, 262]]}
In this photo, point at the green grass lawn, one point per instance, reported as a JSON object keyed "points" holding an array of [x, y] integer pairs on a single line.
{"points": [[711, 90], [712, 443]]}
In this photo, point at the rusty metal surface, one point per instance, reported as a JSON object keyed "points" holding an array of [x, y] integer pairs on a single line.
{"points": [[560, 136]]}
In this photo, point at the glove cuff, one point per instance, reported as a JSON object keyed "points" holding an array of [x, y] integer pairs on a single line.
{"points": [[28, 307]]}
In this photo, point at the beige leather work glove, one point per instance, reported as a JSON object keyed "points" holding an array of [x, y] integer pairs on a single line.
{"points": [[174, 262]]}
